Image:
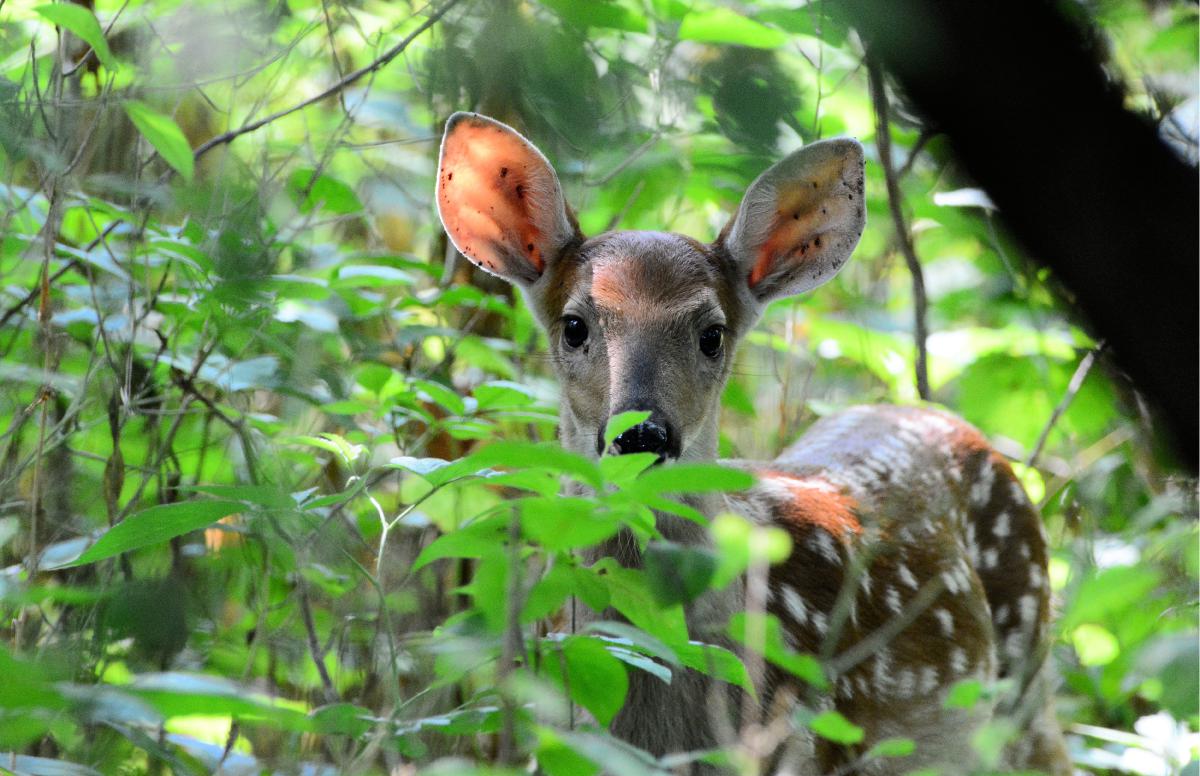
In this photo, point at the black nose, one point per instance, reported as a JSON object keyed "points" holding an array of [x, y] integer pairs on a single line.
{"points": [[648, 437]]}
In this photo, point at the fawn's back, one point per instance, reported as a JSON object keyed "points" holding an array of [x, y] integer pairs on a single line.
{"points": [[918, 561]]}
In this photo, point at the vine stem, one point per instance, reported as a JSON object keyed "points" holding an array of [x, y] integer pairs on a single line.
{"points": [[883, 141]]}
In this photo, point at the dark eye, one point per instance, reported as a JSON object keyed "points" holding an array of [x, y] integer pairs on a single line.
{"points": [[711, 340], [574, 331]]}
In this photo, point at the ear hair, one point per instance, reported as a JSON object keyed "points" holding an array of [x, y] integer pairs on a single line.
{"points": [[500, 200], [799, 221]]}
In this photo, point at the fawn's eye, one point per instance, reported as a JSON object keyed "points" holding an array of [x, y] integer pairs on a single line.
{"points": [[574, 331], [711, 340]]}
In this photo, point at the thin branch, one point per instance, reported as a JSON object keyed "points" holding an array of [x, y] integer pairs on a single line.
{"points": [[1081, 373], [314, 645], [883, 141], [922, 139], [336, 87]]}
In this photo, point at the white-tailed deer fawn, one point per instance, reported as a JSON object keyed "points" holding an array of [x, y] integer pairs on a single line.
{"points": [[918, 560]]}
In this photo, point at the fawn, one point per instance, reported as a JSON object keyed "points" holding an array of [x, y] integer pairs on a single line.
{"points": [[918, 560]]}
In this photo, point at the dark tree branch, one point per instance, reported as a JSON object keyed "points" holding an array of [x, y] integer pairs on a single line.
{"points": [[335, 88], [1085, 185], [883, 141]]}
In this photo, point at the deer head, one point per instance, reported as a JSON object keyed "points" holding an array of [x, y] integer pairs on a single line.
{"points": [[645, 320]]}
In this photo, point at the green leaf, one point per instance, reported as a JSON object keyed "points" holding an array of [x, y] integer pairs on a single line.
{"points": [[82, 23], [721, 25], [561, 523], [832, 726], [678, 574], [893, 747], [318, 190], [594, 678], [691, 478], [164, 134], [739, 542], [156, 525], [621, 422], [717, 662], [543, 456], [476, 540], [1095, 645], [964, 694], [630, 595], [611, 14]]}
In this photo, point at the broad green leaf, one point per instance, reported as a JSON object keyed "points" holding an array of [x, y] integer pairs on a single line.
{"points": [[630, 595], [964, 694], [566, 523], [722, 25], [832, 726], [641, 662], [83, 23], [165, 135], [611, 14], [1095, 645], [621, 422], [544, 456], [320, 190], [739, 542], [625, 634], [893, 747], [612, 754], [691, 478], [156, 525], [480, 538], [678, 574], [716, 662], [594, 678]]}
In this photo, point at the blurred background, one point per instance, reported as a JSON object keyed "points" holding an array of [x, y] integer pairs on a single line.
{"points": [[222, 281]]}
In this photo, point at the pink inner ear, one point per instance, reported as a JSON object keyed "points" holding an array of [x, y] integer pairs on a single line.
{"points": [[803, 212], [486, 189]]}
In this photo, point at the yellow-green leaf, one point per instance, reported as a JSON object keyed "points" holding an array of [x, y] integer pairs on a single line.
{"points": [[83, 23], [164, 134]]}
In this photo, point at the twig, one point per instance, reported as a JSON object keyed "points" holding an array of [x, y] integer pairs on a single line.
{"points": [[883, 141], [314, 646], [1081, 373], [922, 139], [336, 87], [514, 644]]}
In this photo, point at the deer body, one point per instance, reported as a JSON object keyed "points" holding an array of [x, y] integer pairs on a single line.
{"points": [[918, 561]]}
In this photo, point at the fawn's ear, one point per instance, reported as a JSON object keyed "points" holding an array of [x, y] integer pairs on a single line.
{"points": [[500, 200], [800, 220]]}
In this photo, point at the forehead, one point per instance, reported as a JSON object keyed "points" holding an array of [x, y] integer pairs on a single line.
{"points": [[651, 273]]}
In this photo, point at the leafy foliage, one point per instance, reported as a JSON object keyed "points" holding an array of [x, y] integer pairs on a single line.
{"points": [[277, 480]]}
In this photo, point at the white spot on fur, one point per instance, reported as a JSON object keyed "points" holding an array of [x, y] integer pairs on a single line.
{"points": [[929, 679], [883, 671], [981, 490], [820, 622], [958, 661], [892, 598], [1029, 609], [906, 576], [1023, 549], [864, 582], [1001, 617], [845, 687], [1014, 645], [1003, 526], [906, 683], [823, 544], [991, 558], [794, 603], [946, 620], [950, 578], [1036, 578]]}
